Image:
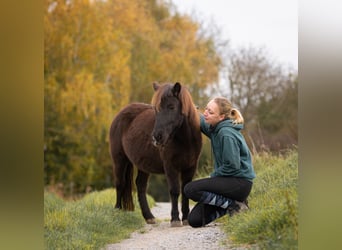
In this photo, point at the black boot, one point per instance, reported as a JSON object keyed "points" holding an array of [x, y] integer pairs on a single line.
{"points": [[215, 200], [202, 214]]}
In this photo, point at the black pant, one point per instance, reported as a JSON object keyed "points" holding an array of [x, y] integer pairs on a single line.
{"points": [[230, 187]]}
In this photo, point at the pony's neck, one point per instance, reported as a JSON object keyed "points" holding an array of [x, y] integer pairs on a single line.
{"points": [[189, 128]]}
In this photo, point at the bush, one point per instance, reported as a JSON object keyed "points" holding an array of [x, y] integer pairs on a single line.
{"points": [[272, 221]]}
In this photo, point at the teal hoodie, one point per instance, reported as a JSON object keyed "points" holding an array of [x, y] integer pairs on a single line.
{"points": [[231, 153]]}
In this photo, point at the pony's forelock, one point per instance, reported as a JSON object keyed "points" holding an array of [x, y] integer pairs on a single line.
{"points": [[162, 90]]}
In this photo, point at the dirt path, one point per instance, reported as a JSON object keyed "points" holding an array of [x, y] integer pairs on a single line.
{"points": [[162, 236]]}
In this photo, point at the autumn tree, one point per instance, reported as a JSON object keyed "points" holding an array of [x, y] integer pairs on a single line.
{"points": [[256, 83], [84, 84], [98, 57], [174, 49]]}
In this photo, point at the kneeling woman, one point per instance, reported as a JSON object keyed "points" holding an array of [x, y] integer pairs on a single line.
{"points": [[229, 185]]}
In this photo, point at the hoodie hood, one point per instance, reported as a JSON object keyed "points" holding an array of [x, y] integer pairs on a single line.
{"points": [[226, 123]]}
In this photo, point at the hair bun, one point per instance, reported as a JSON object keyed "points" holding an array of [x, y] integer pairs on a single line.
{"points": [[236, 116]]}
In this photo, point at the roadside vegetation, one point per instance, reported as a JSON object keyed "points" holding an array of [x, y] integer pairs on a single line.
{"points": [[88, 223], [271, 223]]}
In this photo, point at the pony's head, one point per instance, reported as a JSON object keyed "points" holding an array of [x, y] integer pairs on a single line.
{"points": [[172, 104]]}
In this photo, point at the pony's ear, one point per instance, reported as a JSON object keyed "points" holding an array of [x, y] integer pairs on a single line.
{"points": [[156, 86], [176, 89]]}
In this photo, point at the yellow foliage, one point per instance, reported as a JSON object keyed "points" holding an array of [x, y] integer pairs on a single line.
{"points": [[98, 57], [84, 101]]}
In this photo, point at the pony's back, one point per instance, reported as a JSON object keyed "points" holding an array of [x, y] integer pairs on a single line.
{"points": [[122, 122]]}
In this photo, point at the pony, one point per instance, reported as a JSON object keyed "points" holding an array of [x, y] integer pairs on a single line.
{"points": [[159, 138]]}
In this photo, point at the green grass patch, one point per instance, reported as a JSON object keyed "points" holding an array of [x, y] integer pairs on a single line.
{"points": [[272, 221], [88, 223]]}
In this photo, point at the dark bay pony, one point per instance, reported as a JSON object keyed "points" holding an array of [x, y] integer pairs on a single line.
{"points": [[162, 138]]}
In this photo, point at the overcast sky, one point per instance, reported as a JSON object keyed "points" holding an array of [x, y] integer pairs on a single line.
{"points": [[260, 23]]}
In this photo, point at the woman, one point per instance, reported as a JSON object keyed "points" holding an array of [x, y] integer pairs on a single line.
{"points": [[227, 188]]}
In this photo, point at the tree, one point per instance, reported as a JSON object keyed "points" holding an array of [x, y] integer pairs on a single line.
{"points": [[256, 86], [87, 80], [277, 118], [98, 57], [172, 50]]}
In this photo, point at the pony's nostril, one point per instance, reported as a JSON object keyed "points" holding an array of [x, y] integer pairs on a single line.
{"points": [[156, 138], [154, 142]]}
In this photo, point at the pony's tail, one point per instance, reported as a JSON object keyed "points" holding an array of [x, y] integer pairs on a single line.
{"points": [[123, 176], [127, 198], [236, 116]]}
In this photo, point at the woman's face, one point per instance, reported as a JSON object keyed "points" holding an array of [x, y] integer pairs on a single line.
{"points": [[212, 114]]}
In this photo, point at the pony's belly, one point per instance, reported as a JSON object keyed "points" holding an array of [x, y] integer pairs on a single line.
{"points": [[143, 154], [149, 164]]}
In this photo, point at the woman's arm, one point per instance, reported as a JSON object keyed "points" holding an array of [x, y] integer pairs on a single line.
{"points": [[204, 126]]}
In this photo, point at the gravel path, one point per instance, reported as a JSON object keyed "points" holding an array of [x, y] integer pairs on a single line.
{"points": [[162, 236]]}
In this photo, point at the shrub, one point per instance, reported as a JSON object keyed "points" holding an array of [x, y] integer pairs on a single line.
{"points": [[272, 221]]}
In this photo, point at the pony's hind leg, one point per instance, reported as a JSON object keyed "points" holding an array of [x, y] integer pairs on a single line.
{"points": [[141, 182], [123, 171]]}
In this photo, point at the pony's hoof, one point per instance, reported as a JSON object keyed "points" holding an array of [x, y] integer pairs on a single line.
{"points": [[151, 221], [176, 223], [185, 223]]}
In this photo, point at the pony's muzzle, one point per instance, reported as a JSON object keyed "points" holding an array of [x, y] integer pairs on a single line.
{"points": [[154, 142], [156, 139]]}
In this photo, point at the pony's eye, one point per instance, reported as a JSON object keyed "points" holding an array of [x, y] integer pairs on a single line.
{"points": [[171, 107]]}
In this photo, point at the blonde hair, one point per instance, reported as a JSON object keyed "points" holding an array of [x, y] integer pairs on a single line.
{"points": [[226, 109]]}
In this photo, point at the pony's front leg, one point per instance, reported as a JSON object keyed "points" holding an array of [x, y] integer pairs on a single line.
{"points": [[186, 178], [174, 194], [173, 182]]}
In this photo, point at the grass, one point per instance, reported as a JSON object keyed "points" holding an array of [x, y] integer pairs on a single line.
{"points": [[272, 221], [88, 223]]}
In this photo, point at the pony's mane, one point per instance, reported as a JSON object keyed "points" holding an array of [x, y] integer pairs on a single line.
{"points": [[188, 108]]}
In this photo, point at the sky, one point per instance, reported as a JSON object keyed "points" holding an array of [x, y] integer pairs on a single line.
{"points": [[270, 24]]}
